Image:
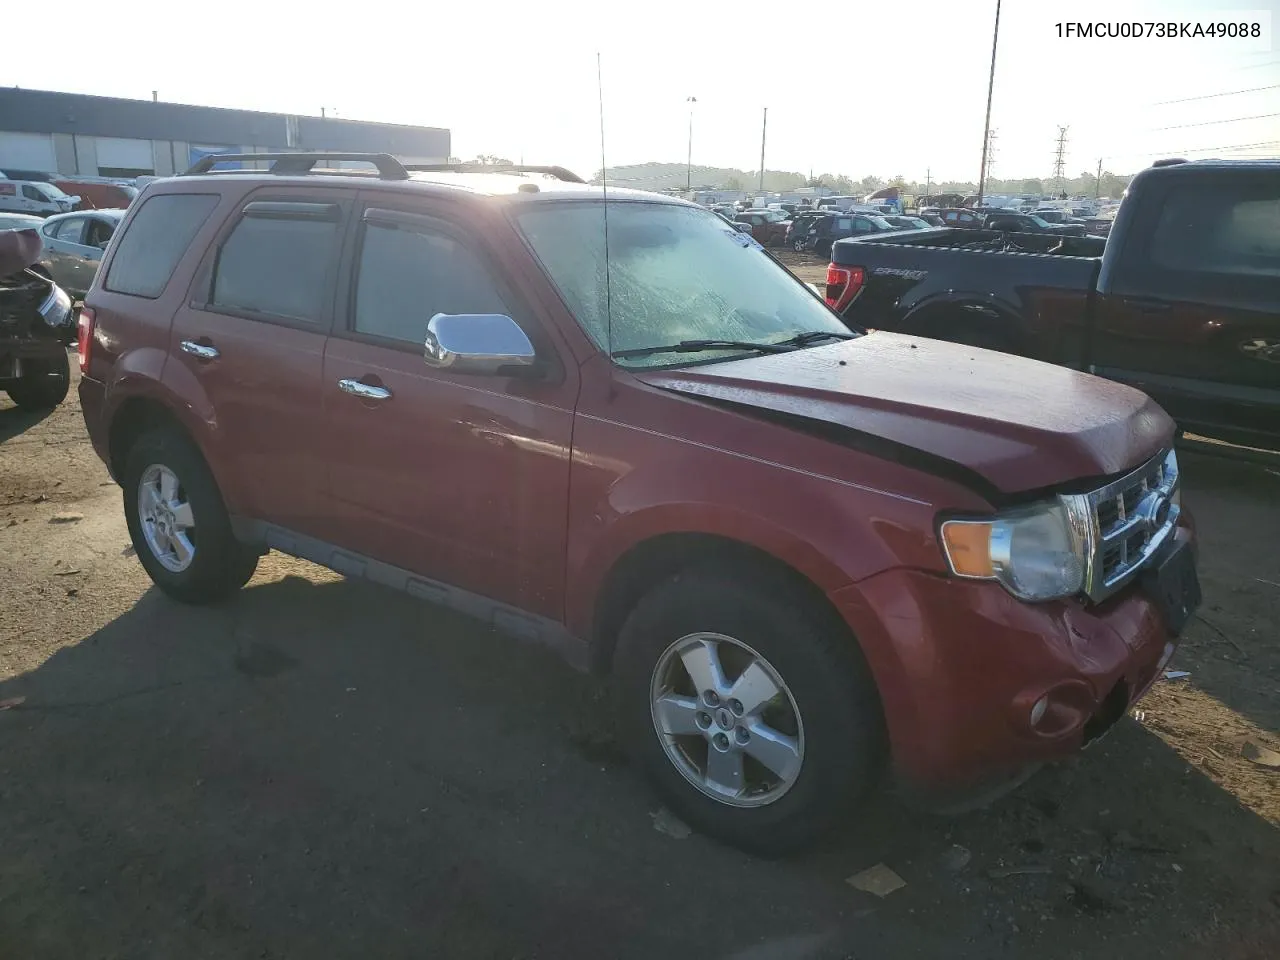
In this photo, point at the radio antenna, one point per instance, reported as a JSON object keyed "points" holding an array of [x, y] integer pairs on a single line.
{"points": [[604, 189]]}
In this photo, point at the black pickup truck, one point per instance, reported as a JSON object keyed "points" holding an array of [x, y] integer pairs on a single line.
{"points": [[1182, 300]]}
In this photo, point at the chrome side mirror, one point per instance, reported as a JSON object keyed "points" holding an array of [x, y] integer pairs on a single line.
{"points": [[476, 343]]}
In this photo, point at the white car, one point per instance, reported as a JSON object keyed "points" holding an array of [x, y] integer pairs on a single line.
{"points": [[35, 197]]}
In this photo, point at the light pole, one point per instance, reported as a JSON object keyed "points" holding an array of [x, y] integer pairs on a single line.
{"points": [[986, 128], [688, 167]]}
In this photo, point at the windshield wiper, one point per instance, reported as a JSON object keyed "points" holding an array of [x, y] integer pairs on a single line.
{"points": [[813, 336], [696, 346]]}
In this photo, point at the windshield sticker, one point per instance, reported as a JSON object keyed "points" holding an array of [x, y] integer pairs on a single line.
{"points": [[743, 239]]}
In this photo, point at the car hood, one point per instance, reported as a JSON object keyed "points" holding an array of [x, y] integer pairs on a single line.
{"points": [[1000, 424]]}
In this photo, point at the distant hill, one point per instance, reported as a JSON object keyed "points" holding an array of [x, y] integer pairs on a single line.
{"points": [[664, 176]]}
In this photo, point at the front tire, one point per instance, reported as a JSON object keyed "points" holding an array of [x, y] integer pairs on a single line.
{"points": [[178, 522], [44, 383], [751, 712]]}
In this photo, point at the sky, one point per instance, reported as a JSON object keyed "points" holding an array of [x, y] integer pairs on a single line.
{"points": [[872, 88]]}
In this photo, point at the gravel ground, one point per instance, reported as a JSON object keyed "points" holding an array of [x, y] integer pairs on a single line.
{"points": [[323, 768]]}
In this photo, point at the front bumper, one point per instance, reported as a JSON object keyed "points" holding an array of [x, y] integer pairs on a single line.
{"points": [[961, 665]]}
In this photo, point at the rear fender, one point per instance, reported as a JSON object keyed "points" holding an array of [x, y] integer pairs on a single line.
{"points": [[144, 374]]}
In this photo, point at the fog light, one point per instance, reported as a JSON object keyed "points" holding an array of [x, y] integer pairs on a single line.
{"points": [[1037, 711]]}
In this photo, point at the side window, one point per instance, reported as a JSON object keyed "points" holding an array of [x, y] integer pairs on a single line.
{"points": [[950, 217], [846, 224], [31, 193], [277, 264], [410, 272], [966, 218], [99, 233], [156, 238], [72, 230], [1228, 228]]}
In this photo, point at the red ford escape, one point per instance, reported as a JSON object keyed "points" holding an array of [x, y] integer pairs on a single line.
{"points": [[800, 553]]}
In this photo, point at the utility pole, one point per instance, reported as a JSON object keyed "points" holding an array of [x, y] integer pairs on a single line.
{"points": [[928, 182], [992, 136], [1060, 158], [688, 169], [764, 128], [1097, 181], [991, 86]]}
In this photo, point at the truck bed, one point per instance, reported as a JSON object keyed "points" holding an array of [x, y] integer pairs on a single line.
{"points": [[969, 285]]}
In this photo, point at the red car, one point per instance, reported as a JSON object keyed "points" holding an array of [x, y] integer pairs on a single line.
{"points": [[767, 226], [801, 553]]}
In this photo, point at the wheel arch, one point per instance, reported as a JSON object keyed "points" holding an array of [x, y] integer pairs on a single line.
{"points": [[936, 315], [649, 562]]}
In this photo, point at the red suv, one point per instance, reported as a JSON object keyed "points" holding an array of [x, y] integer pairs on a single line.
{"points": [[799, 552]]}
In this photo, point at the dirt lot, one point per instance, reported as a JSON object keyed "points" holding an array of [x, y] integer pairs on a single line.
{"points": [[326, 769]]}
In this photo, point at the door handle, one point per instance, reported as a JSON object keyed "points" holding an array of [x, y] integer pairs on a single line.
{"points": [[201, 351], [365, 391]]}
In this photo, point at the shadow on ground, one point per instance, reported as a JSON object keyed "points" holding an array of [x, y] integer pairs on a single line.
{"points": [[331, 770], [14, 421]]}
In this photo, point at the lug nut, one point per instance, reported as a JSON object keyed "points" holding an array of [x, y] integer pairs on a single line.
{"points": [[736, 707], [741, 735], [711, 698], [703, 720], [721, 741]]}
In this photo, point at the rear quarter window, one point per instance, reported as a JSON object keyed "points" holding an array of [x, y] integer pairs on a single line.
{"points": [[1220, 228], [156, 239]]}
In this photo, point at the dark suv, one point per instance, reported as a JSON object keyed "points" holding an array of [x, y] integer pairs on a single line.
{"points": [[799, 552]]}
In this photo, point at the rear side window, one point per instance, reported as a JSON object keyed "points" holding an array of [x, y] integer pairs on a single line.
{"points": [[155, 241], [280, 266], [71, 230], [1221, 228], [409, 273]]}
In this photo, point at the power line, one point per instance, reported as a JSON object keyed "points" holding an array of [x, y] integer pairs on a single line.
{"points": [[1178, 153], [1254, 66], [1211, 96], [1210, 123]]}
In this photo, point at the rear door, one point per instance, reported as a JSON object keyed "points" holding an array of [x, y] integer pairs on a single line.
{"points": [[62, 242], [253, 336], [460, 478], [1190, 310]]}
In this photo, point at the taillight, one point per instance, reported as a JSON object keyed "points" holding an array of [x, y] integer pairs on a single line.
{"points": [[84, 337], [843, 284]]}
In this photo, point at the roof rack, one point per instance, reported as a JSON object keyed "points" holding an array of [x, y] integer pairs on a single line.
{"points": [[560, 173], [292, 164]]}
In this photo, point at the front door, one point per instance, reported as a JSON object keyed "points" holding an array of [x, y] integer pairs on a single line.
{"points": [[1193, 316], [460, 478], [252, 336], [65, 253]]}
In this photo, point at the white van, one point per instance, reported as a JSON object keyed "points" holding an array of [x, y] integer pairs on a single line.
{"points": [[34, 197]]}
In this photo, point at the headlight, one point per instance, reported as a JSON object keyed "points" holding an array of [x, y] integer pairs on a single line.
{"points": [[1035, 552]]}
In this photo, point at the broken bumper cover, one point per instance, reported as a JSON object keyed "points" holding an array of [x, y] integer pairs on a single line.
{"points": [[976, 684]]}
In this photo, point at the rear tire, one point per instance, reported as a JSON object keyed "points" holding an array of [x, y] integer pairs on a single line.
{"points": [[44, 383], [826, 707], [185, 543]]}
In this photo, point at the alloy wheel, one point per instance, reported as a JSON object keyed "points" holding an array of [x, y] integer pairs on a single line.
{"points": [[727, 720], [168, 525]]}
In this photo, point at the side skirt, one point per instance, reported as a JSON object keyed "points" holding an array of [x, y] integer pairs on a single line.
{"points": [[500, 616]]}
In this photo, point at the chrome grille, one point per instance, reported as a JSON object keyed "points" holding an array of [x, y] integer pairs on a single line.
{"points": [[1130, 520]]}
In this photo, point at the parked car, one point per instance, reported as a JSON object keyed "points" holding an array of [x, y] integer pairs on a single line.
{"points": [[34, 197], [1183, 301], [1057, 217], [20, 221], [98, 194], [767, 226], [797, 237], [930, 218], [73, 247], [1009, 222], [826, 231], [961, 218], [36, 324], [801, 553], [740, 227]]}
